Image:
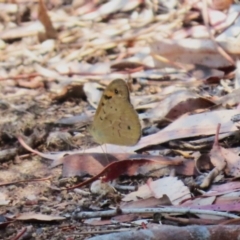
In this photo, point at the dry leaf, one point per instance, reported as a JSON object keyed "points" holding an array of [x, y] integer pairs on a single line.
{"points": [[170, 186]]}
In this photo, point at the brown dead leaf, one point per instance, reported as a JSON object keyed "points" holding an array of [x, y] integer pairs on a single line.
{"points": [[221, 4], [70, 92], [84, 164], [36, 82], [93, 164], [130, 167]]}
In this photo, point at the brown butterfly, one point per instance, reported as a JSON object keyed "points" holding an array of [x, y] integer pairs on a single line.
{"points": [[116, 121]]}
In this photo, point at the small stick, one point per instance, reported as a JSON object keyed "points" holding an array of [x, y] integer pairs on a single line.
{"points": [[182, 210]]}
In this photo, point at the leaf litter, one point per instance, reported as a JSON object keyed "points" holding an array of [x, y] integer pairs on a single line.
{"points": [[180, 62]]}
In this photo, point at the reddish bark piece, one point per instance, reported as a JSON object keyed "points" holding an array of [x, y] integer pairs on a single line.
{"points": [[93, 164], [187, 168], [82, 164], [130, 167], [194, 221]]}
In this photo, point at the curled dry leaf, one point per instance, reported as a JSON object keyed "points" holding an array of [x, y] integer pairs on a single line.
{"points": [[116, 168], [81, 164], [217, 159], [101, 188], [175, 190], [224, 160], [232, 159], [70, 92]]}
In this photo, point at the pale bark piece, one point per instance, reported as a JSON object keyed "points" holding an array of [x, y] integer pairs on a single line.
{"points": [[176, 104], [39, 217]]}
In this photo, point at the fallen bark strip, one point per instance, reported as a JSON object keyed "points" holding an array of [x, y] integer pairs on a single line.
{"points": [[164, 232]]}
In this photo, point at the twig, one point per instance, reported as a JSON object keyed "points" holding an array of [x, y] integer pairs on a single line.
{"points": [[221, 51], [19, 77], [169, 210], [24, 181], [125, 187], [110, 231], [20, 234]]}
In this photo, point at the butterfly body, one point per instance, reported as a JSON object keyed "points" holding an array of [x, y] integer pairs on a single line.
{"points": [[116, 121]]}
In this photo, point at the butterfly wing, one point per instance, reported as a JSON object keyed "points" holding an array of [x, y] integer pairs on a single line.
{"points": [[116, 121]]}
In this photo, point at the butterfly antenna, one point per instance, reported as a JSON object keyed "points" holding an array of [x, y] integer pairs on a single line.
{"points": [[105, 153], [84, 148]]}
